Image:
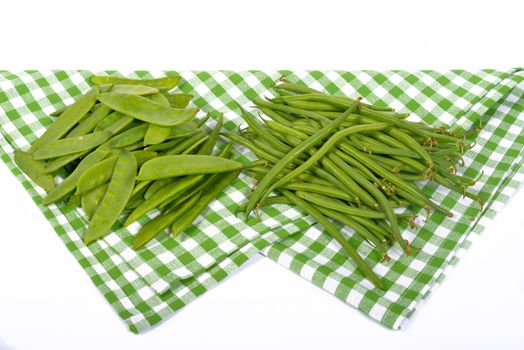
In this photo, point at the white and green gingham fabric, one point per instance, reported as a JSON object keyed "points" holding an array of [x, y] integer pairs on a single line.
{"points": [[147, 286]]}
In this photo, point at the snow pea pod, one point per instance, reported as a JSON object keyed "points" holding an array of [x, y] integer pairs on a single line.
{"points": [[89, 123], [129, 137], [34, 169], [133, 89], [146, 110], [67, 120], [115, 199], [209, 194], [91, 199], [178, 100], [70, 145], [179, 165], [153, 227], [172, 189], [108, 120], [155, 133], [207, 147], [162, 84], [68, 186]]}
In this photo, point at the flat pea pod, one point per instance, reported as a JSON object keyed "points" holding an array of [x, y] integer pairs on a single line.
{"points": [[153, 227], [162, 84], [155, 133], [67, 120], [129, 137], [156, 186], [120, 124], [91, 199], [34, 169], [172, 189], [74, 200], [182, 130], [133, 89], [268, 180], [207, 147], [136, 199], [115, 199], [146, 110], [209, 194], [180, 165], [164, 145], [338, 205], [68, 186], [96, 176], [108, 120], [178, 100], [57, 163], [70, 145], [101, 172], [89, 123], [333, 231]]}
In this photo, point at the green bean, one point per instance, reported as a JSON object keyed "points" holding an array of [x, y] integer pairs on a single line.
{"points": [[129, 136], [266, 183], [269, 201], [146, 110], [91, 199], [333, 231], [161, 84], [320, 153], [330, 191], [370, 145], [89, 123], [155, 133], [199, 123], [35, 170], [381, 199], [180, 165], [209, 194], [411, 143], [338, 205], [178, 100], [278, 117], [358, 228], [115, 199], [153, 227], [67, 120], [288, 109], [313, 106], [209, 144], [133, 89], [349, 184], [174, 188], [68, 186]]}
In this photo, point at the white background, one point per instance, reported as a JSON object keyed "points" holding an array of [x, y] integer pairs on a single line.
{"points": [[48, 302]]}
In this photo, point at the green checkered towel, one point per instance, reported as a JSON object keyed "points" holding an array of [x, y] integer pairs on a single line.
{"points": [[149, 285]]}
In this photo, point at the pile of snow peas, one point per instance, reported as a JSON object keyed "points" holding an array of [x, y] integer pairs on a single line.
{"points": [[130, 147], [340, 159]]}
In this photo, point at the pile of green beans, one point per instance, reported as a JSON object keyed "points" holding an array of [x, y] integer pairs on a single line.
{"points": [[130, 147], [356, 163]]}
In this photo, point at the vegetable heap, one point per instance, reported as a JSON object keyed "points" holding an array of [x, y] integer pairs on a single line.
{"points": [[339, 158], [130, 146]]}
